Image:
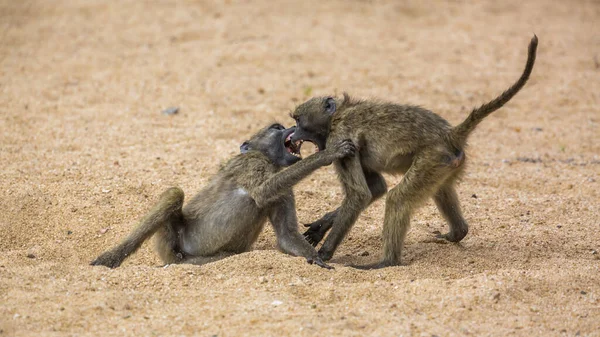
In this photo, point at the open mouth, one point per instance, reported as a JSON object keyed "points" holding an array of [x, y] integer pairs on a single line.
{"points": [[294, 147]]}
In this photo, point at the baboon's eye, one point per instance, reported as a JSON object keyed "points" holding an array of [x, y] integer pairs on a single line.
{"points": [[329, 105], [245, 147], [277, 126], [294, 117]]}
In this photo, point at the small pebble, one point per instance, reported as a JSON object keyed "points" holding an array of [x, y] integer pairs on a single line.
{"points": [[171, 111], [583, 293], [276, 303], [529, 160], [474, 196], [31, 256], [365, 253]]}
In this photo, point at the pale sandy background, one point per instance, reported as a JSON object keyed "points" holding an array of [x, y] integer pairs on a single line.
{"points": [[85, 151]]}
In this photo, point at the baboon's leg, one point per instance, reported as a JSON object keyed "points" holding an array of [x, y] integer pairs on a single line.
{"points": [[200, 260], [289, 240], [418, 184], [358, 196], [377, 185], [319, 228], [447, 202], [166, 240], [166, 210]]}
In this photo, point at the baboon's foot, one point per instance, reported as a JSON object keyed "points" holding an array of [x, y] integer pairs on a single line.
{"points": [[325, 254], [108, 259], [452, 236], [378, 265]]}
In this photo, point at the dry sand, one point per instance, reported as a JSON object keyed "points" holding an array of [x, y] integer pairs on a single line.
{"points": [[85, 151]]}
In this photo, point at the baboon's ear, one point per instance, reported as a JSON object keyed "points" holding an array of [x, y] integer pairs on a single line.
{"points": [[245, 147], [330, 105], [346, 99]]}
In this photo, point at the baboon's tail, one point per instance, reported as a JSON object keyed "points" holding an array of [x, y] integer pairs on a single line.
{"points": [[166, 210], [462, 131]]}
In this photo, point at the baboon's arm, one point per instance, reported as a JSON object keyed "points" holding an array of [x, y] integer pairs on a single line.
{"points": [[282, 181], [285, 222]]}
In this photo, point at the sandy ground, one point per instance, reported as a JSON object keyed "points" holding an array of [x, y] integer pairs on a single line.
{"points": [[85, 151]]}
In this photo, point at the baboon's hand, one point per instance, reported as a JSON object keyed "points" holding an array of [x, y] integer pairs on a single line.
{"points": [[316, 231], [343, 149], [319, 262], [108, 259]]}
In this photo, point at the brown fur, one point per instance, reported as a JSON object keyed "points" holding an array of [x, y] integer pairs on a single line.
{"points": [[227, 215], [393, 138]]}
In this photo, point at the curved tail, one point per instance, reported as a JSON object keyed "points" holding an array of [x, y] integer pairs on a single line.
{"points": [[462, 131]]}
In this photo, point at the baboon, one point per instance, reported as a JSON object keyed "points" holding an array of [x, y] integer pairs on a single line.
{"points": [[227, 215], [393, 138]]}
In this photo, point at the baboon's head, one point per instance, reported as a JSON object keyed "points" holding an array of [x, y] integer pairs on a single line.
{"points": [[274, 141], [313, 119]]}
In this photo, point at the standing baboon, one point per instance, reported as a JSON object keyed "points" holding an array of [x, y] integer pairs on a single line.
{"points": [[226, 217], [396, 139]]}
